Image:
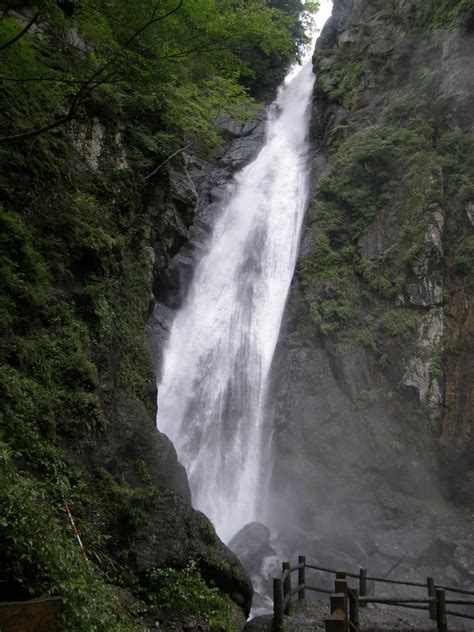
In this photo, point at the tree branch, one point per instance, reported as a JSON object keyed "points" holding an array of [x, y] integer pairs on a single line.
{"points": [[54, 79], [20, 33], [92, 82], [178, 151], [84, 91]]}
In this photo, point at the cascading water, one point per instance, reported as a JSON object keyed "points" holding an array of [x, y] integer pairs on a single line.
{"points": [[211, 400]]}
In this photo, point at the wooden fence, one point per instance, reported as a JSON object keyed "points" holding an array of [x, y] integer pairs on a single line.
{"points": [[34, 615], [346, 601]]}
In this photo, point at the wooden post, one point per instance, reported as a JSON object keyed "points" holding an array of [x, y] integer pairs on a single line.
{"points": [[363, 585], [354, 607], [287, 587], [335, 623], [338, 602], [301, 576], [432, 594], [277, 605], [441, 620], [340, 586]]}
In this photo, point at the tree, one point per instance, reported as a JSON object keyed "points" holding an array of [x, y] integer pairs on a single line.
{"points": [[177, 60]]}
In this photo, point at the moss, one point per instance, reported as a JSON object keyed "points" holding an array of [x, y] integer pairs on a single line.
{"points": [[448, 12], [206, 529], [339, 76]]}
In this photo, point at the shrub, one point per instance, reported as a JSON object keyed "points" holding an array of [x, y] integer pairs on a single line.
{"points": [[184, 592]]}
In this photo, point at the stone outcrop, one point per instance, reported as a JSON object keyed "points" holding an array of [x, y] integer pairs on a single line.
{"points": [[176, 535]]}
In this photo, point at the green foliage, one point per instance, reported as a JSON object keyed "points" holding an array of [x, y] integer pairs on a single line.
{"points": [[398, 323], [365, 177], [175, 65], [367, 338], [463, 263], [448, 12], [39, 556], [456, 152], [184, 592], [356, 179], [75, 267], [340, 75], [435, 367]]}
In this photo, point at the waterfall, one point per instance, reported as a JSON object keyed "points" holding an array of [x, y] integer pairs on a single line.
{"points": [[212, 397]]}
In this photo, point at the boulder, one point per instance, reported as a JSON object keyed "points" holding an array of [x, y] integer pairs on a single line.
{"points": [[405, 544], [175, 534], [251, 545], [464, 557]]}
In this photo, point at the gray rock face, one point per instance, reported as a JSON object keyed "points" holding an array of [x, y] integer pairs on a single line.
{"points": [[426, 288], [176, 534], [419, 369], [464, 556], [251, 544], [261, 561], [405, 544], [357, 425], [133, 437]]}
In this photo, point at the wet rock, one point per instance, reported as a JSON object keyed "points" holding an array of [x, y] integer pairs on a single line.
{"points": [[464, 557], [379, 236], [426, 289], [197, 190], [175, 534], [252, 545], [132, 436], [181, 188], [419, 371], [470, 213], [404, 544]]}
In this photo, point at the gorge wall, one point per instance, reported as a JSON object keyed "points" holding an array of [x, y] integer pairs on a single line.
{"points": [[374, 376], [95, 201], [374, 379]]}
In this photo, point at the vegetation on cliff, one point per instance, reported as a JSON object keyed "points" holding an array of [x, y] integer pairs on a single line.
{"points": [[96, 98], [391, 218]]}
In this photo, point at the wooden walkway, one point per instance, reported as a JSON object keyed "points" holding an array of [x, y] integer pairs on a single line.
{"points": [[350, 596]]}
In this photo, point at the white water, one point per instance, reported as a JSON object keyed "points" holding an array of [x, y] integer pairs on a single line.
{"points": [[211, 400]]}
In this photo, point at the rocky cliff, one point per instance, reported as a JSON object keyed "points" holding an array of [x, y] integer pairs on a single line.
{"points": [[94, 204], [374, 380]]}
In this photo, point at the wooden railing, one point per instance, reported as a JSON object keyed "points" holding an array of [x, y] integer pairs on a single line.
{"points": [[346, 601], [34, 615]]}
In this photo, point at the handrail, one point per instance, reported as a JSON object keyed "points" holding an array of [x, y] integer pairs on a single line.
{"points": [[435, 603], [459, 614], [296, 590], [461, 591], [394, 581], [321, 590], [395, 600], [328, 570]]}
